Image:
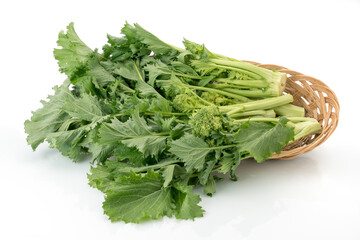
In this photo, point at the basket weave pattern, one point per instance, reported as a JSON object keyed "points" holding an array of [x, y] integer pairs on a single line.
{"points": [[319, 101]]}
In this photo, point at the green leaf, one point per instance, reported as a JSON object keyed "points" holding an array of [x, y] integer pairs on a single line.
{"points": [[160, 124], [68, 142], [191, 150], [168, 174], [121, 167], [204, 175], [148, 145], [86, 108], [137, 198], [153, 43], [198, 51], [49, 118], [160, 105], [123, 152], [100, 153], [116, 131], [100, 177], [132, 71], [226, 162], [262, 140], [155, 70], [104, 174], [205, 80], [158, 68], [180, 67], [78, 61], [205, 68], [133, 103], [96, 70], [73, 54], [73, 142], [134, 133], [89, 85], [237, 160], [210, 186], [186, 202]]}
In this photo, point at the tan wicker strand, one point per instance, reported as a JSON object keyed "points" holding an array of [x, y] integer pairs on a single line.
{"points": [[319, 101]]}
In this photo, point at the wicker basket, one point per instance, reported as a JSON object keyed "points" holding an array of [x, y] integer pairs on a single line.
{"points": [[319, 102]]}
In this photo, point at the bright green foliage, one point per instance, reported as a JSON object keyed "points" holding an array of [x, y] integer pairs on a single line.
{"points": [[49, 118], [191, 150], [136, 198], [261, 140], [68, 142], [131, 154], [168, 174], [186, 202], [135, 132], [73, 52], [147, 38], [86, 108], [133, 197], [159, 120], [101, 153]]}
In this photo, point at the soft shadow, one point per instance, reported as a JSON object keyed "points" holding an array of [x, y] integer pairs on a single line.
{"points": [[259, 195]]}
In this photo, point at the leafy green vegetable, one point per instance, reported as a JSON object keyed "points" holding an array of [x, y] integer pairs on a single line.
{"points": [[159, 120], [136, 198], [191, 150], [73, 54], [261, 140], [49, 118], [133, 197]]}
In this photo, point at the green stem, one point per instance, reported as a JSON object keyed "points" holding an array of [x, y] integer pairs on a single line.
{"points": [[119, 115], [262, 72], [303, 129], [71, 122], [292, 119], [223, 147], [263, 104], [161, 134], [138, 72], [290, 110], [264, 113], [235, 96], [155, 166], [200, 98], [251, 93], [275, 120], [220, 63], [123, 86], [186, 75], [246, 83]]}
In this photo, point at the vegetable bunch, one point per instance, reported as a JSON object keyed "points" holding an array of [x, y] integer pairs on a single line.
{"points": [[159, 120]]}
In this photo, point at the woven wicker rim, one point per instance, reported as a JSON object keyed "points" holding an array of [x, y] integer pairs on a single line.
{"points": [[319, 101]]}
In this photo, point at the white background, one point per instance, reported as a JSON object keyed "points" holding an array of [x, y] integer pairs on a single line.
{"points": [[316, 196]]}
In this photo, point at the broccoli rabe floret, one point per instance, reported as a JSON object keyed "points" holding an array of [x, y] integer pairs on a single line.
{"points": [[217, 99], [206, 120], [186, 103]]}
